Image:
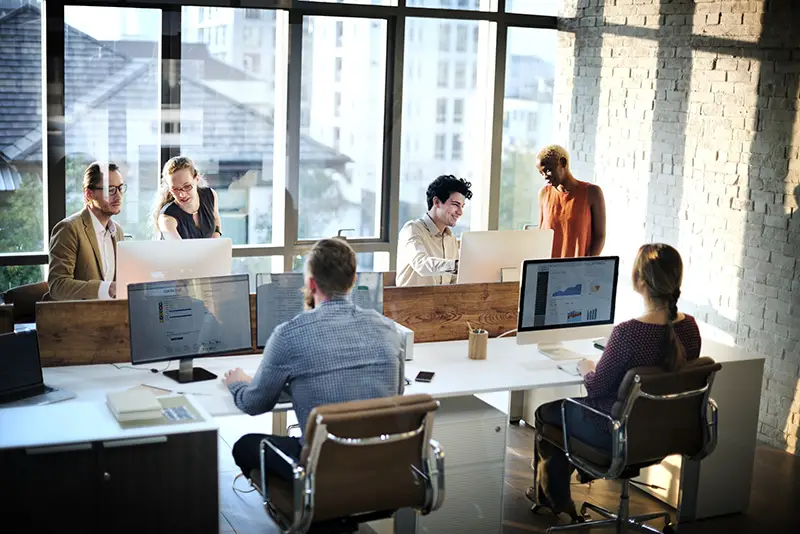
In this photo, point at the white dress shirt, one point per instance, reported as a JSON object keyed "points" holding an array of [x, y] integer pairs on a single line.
{"points": [[108, 259], [426, 256]]}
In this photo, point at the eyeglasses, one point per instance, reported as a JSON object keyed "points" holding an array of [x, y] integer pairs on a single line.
{"points": [[185, 189], [112, 189]]}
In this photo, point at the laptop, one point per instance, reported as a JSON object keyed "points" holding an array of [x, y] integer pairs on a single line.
{"points": [[21, 381]]}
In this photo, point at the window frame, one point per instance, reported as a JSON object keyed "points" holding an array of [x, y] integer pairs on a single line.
{"points": [[54, 205]]}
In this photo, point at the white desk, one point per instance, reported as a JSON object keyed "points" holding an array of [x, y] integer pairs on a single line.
{"points": [[471, 431]]}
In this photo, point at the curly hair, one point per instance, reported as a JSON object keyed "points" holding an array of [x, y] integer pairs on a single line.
{"points": [[445, 185]]}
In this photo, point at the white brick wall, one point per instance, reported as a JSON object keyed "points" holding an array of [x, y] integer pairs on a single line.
{"points": [[687, 114]]}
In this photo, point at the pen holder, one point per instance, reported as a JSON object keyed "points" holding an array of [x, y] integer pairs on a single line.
{"points": [[478, 339]]}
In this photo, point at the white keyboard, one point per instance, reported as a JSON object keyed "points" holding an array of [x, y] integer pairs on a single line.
{"points": [[560, 353]]}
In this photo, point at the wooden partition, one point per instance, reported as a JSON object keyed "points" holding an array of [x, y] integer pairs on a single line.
{"points": [[441, 313], [84, 332]]}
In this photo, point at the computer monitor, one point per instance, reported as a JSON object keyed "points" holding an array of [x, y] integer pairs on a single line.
{"points": [[279, 298], [153, 261], [185, 319], [496, 256], [566, 299]]}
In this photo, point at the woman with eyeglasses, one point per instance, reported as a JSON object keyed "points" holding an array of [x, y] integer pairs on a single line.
{"points": [[185, 208]]}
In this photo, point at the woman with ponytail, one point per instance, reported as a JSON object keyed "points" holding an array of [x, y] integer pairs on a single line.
{"points": [[662, 336]]}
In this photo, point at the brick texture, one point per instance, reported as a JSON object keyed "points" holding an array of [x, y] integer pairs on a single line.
{"points": [[687, 113]]}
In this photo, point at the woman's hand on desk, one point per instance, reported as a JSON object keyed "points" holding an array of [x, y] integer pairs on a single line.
{"points": [[585, 366], [236, 375]]}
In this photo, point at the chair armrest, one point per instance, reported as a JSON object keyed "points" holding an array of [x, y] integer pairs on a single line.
{"points": [[711, 444], [301, 489], [619, 442], [435, 477]]}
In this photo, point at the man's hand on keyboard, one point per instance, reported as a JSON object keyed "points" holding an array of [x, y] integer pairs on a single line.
{"points": [[585, 366]]}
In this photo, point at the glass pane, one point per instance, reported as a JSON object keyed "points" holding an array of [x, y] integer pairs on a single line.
{"points": [[21, 201], [445, 113], [18, 275], [363, 2], [365, 262], [233, 70], [257, 264], [534, 7], [527, 122], [342, 167], [469, 5], [111, 86]]}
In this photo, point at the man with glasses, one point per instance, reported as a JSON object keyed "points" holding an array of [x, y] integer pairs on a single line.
{"points": [[83, 246]]}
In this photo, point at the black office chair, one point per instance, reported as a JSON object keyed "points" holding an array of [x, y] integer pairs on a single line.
{"points": [[657, 414]]}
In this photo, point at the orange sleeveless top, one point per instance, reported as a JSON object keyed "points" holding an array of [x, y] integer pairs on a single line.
{"points": [[570, 217]]}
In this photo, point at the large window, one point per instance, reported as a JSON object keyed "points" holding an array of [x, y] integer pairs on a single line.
{"points": [[534, 7], [458, 146], [111, 93], [21, 169], [341, 165], [221, 96], [528, 124], [230, 120], [471, 5]]}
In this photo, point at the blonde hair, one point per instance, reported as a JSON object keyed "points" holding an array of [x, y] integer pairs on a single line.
{"points": [[658, 272], [554, 153], [164, 195]]}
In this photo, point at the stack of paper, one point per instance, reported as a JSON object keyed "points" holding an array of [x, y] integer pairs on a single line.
{"points": [[135, 404]]}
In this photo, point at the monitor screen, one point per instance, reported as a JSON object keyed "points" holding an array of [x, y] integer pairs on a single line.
{"points": [[20, 367], [279, 297], [569, 292], [367, 292], [178, 319]]}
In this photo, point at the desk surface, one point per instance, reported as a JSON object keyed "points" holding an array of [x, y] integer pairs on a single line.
{"points": [[508, 367], [80, 420]]}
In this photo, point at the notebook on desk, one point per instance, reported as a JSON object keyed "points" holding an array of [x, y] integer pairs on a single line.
{"points": [[21, 380]]}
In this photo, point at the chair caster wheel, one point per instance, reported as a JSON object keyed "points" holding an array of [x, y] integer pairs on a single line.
{"points": [[670, 529]]}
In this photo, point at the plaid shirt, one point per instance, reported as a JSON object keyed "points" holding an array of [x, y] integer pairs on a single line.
{"points": [[337, 352]]}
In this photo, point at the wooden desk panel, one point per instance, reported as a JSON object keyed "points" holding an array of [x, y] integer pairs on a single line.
{"points": [[441, 313], [85, 332]]}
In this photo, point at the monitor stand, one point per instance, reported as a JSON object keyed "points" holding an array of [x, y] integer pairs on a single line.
{"points": [[187, 373], [557, 351]]}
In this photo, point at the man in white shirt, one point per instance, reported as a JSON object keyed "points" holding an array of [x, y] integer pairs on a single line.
{"points": [[427, 250], [83, 257]]}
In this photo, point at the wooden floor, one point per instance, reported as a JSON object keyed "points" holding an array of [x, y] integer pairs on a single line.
{"points": [[774, 503]]}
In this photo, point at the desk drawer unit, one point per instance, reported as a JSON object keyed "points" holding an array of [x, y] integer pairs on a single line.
{"points": [[473, 436]]}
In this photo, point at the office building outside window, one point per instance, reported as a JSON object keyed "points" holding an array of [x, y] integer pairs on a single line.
{"points": [[441, 110]]}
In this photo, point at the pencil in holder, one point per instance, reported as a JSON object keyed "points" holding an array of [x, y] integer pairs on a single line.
{"points": [[478, 339]]}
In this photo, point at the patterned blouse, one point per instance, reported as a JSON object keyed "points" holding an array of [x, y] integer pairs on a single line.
{"points": [[633, 344]]}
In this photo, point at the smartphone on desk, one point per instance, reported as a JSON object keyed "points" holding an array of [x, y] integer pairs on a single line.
{"points": [[424, 376]]}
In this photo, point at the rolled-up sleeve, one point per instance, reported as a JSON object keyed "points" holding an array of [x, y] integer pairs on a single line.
{"points": [[412, 242], [262, 393]]}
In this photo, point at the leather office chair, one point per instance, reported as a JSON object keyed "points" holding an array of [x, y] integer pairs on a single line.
{"points": [[24, 299], [362, 461], [656, 414]]}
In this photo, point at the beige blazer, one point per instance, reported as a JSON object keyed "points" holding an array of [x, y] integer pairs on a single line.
{"points": [[76, 268]]}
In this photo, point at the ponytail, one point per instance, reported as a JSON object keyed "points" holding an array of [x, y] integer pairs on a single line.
{"points": [[674, 352]]}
